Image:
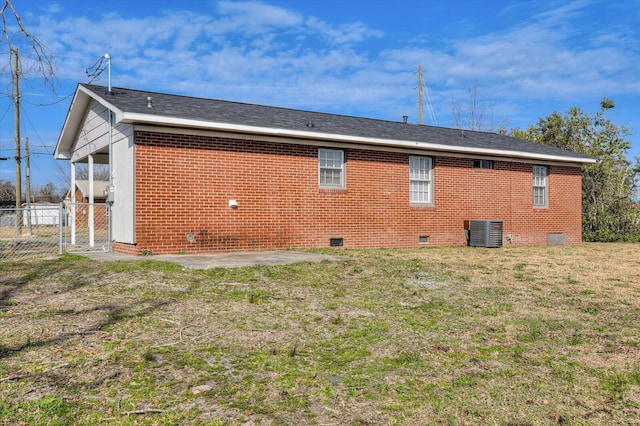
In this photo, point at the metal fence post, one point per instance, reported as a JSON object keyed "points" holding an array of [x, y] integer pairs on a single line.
{"points": [[60, 225], [60, 228]]}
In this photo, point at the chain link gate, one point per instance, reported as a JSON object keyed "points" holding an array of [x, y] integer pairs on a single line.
{"points": [[87, 228]]}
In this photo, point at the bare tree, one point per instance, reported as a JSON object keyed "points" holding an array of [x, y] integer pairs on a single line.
{"points": [[28, 55], [100, 171], [7, 190], [474, 114], [37, 57], [48, 193]]}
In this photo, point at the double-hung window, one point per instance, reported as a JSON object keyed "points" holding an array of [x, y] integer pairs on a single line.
{"points": [[331, 169], [540, 186], [420, 180]]}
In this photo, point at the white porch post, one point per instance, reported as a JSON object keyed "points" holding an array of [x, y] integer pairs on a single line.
{"points": [[91, 199], [72, 207]]}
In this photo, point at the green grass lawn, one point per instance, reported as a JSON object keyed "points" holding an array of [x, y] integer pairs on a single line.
{"points": [[459, 336]]}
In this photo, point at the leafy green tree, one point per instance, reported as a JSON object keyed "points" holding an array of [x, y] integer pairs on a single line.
{"points": [[609, 210]]}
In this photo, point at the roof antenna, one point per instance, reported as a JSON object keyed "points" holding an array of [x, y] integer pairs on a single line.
{"points": [[310, 123], [97, 69], [108, 58]]}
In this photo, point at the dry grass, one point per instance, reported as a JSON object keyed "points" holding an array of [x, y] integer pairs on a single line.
{"points": [[519, 336]]}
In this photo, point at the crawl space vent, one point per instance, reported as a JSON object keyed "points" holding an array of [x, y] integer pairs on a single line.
{"points": [[336, 242]]}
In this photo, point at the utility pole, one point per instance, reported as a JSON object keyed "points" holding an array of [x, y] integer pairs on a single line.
{"points": [[27, 176], [16, 111], [420, 96]]}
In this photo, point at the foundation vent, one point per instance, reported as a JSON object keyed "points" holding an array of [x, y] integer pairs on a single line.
{"points": [[336, 242]]}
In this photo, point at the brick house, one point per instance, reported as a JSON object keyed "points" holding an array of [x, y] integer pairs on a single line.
{"points": [[83, 195], [201, 175], [83, 191]]}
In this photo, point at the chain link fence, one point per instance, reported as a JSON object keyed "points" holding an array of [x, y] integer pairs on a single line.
{"points": [[46, 229], [30, 231], [86, 228]]}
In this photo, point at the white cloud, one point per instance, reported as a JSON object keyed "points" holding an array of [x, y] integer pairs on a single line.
{"points": [[53, 8], [256, 52], [252, 17], [252, 51], [347, 33], [241, 44], [535, 59]]}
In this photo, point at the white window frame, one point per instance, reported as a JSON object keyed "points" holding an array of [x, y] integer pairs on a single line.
{"points": [[331, 161], [420, 180], [540, 186]]}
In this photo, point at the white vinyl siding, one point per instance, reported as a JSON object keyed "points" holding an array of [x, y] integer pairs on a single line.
{"points": [[331, 171], [420, 180], [540, 186]]}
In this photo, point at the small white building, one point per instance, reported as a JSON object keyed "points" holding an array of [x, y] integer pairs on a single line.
{"points": [[42, 214]]}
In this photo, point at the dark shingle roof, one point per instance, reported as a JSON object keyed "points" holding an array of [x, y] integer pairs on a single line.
{"points": [[236, 113]]}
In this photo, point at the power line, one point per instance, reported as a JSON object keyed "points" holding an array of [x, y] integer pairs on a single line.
{"points": [[5, 112], [52, 103], [420, 96], [432, 112], [35, 153], [34, 129], [422, 88]]}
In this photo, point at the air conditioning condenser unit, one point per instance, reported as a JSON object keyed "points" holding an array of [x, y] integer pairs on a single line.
{"points": [[485, 233]]}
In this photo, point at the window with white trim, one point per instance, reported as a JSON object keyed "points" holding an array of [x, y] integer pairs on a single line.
{"points": [[421, 180], [331, 168], [540, 186]]}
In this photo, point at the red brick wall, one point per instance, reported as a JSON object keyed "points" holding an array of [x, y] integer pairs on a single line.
{"points": [[184, 184]]}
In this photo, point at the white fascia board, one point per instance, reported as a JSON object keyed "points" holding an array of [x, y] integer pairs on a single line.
{"points": [[77, 109], [134, 118], [62, 150]]}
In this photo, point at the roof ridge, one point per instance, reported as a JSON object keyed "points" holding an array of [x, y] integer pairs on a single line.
{"points": [[94, 86]]}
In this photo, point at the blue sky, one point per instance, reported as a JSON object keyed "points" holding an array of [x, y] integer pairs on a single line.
{"points": [[355, 57]]}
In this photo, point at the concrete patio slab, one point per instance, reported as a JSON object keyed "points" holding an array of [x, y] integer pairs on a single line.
{"points": [[222, 260]]}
